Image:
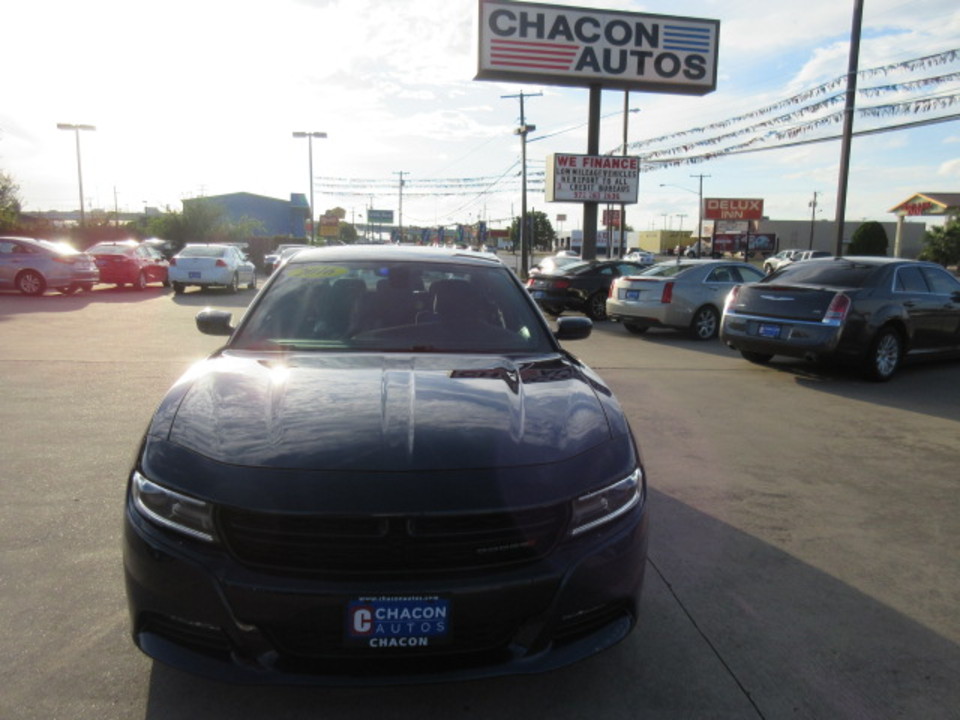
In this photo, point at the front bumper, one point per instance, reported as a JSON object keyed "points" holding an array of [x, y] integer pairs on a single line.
{"points": [[194, 607]]}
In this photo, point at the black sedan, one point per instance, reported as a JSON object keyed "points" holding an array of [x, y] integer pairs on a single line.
{"points": [[867, 310], [392, 472], [582, 287]]}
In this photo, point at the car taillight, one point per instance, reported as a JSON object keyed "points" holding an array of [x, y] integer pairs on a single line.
{"points": [[221, 263], [561, 284], [731, 297], [838, 309], [173, 261], [667, 295], [65, 259]]}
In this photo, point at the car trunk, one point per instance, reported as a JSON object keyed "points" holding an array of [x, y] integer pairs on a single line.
{"points": [[789, 302]]}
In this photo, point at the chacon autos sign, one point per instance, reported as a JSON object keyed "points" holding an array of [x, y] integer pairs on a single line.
{"points": [[562, 45]]}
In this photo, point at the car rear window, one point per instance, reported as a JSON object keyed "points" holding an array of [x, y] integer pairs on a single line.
{"points": [[202, 251], [829, 274], [108, 250]]}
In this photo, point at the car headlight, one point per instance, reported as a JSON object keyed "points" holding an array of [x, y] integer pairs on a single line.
{"points": [[602, 506], [171, 509]]}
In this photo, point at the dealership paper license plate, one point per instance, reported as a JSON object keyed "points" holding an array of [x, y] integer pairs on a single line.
{"points": [[398, 622]]}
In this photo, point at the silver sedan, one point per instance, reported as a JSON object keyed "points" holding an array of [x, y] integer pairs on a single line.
{"points": [[687, 294]]}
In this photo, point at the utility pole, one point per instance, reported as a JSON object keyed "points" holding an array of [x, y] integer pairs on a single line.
{"points": [[700, 214], [401, 174], [849, 107], [522, 131], [813, 218]]}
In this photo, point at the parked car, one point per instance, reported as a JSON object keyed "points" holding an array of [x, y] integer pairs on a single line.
{"points": [[581, 287], [272, 259], [212, 264], [641, 256], [391, 472], [870, 311], [781, 258], [686, 294], [550, 265], [34, 266], [805, 255], [127, 262]]}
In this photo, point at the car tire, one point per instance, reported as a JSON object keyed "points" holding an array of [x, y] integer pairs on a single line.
{"points": [[31, 283], [87, 287], [705, 324], [758, 358], [166, 282], [253, 282], [884, 355], [635, 328], [597, 307], [140, 283], [234, 284], [178, 288]]}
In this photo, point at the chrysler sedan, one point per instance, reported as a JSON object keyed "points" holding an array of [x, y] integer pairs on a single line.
{"points": [[870, 311], [391, 472], [685, 294]]}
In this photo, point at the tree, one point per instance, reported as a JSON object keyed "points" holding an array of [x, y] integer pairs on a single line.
{"points": [[942, 243], [200, 222], [543, 235], [869, 239], [9, 202]]}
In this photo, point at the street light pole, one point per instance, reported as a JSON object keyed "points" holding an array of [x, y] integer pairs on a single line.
{"points": [[310, 136], [700, 215], [76, 130]]}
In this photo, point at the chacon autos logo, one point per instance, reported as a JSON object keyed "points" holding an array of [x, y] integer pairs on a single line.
{"points": [[530, 39]]}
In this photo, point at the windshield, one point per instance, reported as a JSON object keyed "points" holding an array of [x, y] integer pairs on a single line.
{"points": [[666, 269], [394, 307]]}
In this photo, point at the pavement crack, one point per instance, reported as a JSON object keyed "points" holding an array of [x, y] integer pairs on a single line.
{"points": [[706, 639]]}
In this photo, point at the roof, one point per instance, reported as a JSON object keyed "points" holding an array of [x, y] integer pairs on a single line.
{"points": [[929, 203], [400, 253]]}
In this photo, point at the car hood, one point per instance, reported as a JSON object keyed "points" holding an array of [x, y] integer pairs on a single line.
{"points": [[384, 412]]}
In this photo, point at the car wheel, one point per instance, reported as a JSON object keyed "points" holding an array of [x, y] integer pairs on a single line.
{"points": [[234, 284], [597, 307], [706, 323], [253, 282], [87, 287], [31, 283], [178, 288], [756, 357], [635, 329], [166, 282], [141, 282], [884, 355]]}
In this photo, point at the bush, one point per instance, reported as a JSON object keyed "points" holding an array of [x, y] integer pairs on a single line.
{"points": [[869, 239], [942, 243]]}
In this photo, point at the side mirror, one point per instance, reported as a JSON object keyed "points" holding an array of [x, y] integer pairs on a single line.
{"points": [[214, 322], [573, 328]]}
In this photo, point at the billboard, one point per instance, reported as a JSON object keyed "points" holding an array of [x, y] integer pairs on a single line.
{"points": [[592, 178], [732, 209], [563, 45]]}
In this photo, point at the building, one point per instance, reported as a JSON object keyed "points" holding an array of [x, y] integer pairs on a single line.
{"points": [[278, 218]]}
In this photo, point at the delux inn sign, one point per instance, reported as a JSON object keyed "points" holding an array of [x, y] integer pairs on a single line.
{"points": [[562, 45]]}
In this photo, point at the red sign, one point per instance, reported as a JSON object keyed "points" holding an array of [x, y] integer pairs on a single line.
{"points": [[732, 209], [917, 208], [611, 218]]}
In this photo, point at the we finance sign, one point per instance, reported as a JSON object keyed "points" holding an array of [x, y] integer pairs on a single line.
{"points": [[562, 45]]}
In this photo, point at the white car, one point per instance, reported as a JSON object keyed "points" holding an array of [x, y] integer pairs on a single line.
{"points": [[207, 265], [641, 256], [774, 262], [686, 294]]}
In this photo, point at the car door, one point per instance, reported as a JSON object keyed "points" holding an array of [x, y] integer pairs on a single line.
{"points": [[945, 289], [717, 285], [912, 293]]}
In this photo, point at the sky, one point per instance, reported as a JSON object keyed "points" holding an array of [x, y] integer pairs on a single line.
{"points": [[195, 98]]}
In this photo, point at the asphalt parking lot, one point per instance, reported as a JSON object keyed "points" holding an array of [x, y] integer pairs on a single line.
{"points": [[804, 551]]}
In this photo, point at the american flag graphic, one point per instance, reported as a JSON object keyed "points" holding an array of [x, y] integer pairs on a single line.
{"points": [[532, 54]]}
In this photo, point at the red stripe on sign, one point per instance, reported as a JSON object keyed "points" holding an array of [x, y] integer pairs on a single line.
{"points": [[502, 58], [541, 65], [521, 44]]}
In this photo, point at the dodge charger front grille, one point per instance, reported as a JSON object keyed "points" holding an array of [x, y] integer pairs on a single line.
{"points": [[276, 542]]}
